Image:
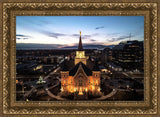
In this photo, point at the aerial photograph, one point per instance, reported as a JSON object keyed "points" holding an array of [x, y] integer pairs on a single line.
{"points": [[76, 58]]}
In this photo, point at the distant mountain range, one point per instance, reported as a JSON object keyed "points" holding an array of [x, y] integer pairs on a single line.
{"points": [[20, 46], [26, 46], [86, 46]]}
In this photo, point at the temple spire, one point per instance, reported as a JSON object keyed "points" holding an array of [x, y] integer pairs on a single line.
{"points": [[80, 47]]}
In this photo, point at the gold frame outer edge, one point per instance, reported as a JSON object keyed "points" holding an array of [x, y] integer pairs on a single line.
{"points": [[12, 107]]}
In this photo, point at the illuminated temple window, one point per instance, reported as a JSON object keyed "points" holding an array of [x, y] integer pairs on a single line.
{"points": [[93, 88], [96, 82], [75, 89], [86, 89]]}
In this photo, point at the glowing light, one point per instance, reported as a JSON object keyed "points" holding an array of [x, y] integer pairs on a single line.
{"points": [[38, 67], [96, 81], [86, 89], [80, 91], [16, 81], [71, 89], [80, 54], [75, 89], [61, 88], [93, 88], [99, 89]]}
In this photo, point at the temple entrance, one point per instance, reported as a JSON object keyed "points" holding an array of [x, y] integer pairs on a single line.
{"points": [[81, 95], [80, 91]]}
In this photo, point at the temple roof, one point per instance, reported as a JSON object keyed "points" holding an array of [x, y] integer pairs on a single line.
{"points": [[64, 66], [85, 68], [80, 47]]}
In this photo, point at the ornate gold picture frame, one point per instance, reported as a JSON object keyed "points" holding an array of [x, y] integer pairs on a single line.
{"points": [[10, 9]]}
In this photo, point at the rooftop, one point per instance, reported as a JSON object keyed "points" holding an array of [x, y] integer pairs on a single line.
{"points": [[85, 68]]}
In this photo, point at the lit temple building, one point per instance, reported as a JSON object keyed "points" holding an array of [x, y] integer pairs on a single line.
{"points": [[80, 80]]}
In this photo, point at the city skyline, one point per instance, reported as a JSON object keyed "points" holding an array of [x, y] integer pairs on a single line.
{"points": [[113, 74], [64, 30]]}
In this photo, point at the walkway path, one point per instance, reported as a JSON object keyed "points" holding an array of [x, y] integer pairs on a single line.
{"points": [[53, 96], [107, 96], [50, 93], [53, 85], [51, 73], [29, 92]]}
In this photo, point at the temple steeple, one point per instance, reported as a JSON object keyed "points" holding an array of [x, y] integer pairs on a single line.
{"points": [[80, 53], [80, 47]]}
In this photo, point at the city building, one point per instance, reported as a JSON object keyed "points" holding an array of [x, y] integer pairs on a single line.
{"points": [[80, 80], [129, 55], [107, 54]]}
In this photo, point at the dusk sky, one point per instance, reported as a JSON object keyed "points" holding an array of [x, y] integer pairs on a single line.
{"points": [[64, 30]]}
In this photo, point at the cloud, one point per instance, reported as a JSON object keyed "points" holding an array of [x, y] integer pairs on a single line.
{"points": [[57, 35], [113, 34], [75, 35], [86, 36], [93, 40], [20, 36], [53, 34], [95, 34], [100, 27], [83, 36], [120, 38]]}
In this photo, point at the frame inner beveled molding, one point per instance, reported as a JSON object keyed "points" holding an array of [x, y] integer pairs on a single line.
{"points": [[148, 10]]}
